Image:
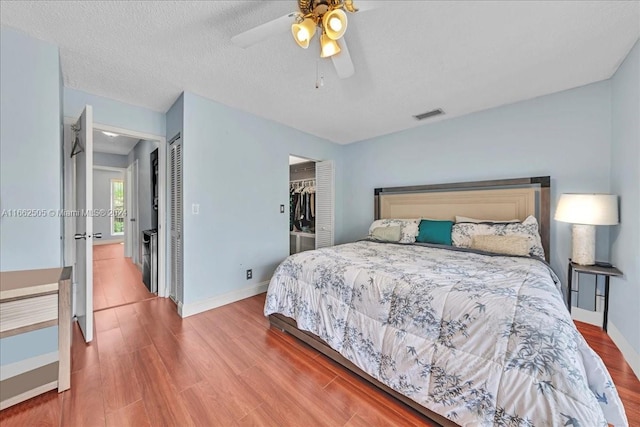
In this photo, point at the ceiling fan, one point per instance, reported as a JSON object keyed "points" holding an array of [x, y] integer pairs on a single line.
{"points": [[326, 17]]}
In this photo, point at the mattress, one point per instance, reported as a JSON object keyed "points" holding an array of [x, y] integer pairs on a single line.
{"points": [[478, 338]]}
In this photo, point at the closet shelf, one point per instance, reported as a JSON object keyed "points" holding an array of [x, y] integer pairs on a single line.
{"points": [[302, 234]]}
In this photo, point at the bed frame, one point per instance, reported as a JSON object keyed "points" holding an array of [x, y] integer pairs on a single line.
{"points": [[503, 199]]}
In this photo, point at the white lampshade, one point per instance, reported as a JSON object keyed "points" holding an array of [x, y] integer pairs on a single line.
{"points": [[591, 209], [586, 211]]}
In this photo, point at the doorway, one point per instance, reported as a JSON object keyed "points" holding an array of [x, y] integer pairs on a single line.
{"points": [[129, 167], [311, 204], [124, 194], [302, 204]]}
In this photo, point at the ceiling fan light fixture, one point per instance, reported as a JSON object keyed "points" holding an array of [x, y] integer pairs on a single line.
{"points": [[328, 46], [334, 23], [303, 32]]}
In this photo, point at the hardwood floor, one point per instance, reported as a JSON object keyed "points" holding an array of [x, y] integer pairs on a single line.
{"points": [[116, 280], [623, 377], [226, 367]]}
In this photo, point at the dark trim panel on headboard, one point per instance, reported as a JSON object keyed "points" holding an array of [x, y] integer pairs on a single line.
{"points": [[543, 183]]}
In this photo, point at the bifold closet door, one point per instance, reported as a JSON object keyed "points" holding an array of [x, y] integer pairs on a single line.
{"points": [[324, 204], [176, 219]]}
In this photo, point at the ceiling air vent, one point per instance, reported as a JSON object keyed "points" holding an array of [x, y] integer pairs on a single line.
{"points": [[429, 114]]}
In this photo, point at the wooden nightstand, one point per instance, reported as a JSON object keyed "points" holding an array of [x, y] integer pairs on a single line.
{"points": [[596, 270]]}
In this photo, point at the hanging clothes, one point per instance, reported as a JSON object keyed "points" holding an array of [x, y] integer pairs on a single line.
{"points": [[302, 206], [291, 208]]}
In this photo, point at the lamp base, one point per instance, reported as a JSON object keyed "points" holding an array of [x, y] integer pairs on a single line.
{"points": [[584, 244]]}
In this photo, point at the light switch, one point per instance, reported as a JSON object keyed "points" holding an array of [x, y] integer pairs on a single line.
{"points": [[281, 208], [195, 208]]}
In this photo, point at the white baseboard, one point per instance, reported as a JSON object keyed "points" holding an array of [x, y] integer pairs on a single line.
{"points": [[186, 310], [629, 353], [98, 242], [11, 370], [587, 316]]}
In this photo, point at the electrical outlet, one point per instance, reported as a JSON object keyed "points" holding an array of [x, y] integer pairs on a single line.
{"points": [[249, 274]]}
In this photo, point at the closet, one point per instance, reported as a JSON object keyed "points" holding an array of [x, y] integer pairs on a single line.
{"points": [[302, 206]]}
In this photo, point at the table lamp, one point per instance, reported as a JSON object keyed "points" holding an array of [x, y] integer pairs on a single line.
{"points": [[585, 211]]}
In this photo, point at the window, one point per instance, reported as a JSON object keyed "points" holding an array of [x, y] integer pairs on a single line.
{"points": [[117, 207]]}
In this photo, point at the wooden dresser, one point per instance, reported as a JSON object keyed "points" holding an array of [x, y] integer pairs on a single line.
{"points": [[30, 300]]}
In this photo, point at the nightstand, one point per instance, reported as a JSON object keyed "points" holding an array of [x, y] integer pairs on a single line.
{"points": [[596, 270]]}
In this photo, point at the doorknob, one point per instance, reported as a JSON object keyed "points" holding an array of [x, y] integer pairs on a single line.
{"points": [[97, 235], [80, 236]]}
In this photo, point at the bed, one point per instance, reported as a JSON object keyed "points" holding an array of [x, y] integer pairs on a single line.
{"points": [[465, 337]]}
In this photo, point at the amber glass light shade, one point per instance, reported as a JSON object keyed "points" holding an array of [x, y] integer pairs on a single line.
{"points": [[328, 47], [334, 23], [303, 32]]}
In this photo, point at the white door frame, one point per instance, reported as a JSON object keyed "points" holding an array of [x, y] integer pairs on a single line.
{"points": [[163, 290]]}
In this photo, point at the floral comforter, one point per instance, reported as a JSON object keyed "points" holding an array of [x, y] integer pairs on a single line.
{"points": [[479, 339]]}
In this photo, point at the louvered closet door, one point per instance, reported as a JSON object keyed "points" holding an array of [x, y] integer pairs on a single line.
{"points": [[324, 204], [176, 220]]}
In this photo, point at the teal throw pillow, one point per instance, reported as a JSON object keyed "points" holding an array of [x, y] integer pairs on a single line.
{"points": [[438, 232]]}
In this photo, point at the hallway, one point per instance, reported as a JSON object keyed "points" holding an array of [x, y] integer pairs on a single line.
{"points": [[116, 280]]}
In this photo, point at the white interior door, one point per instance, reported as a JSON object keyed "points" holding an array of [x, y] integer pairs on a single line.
{"points": [[84, 224], [176, 220], [324, 204]]}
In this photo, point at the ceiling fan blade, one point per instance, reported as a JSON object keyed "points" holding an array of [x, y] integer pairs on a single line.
{"points": [[342, 61], [263, 31]]}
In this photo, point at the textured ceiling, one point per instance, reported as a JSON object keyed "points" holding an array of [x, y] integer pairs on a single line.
{"points": [[409, 56], [113, 144]]}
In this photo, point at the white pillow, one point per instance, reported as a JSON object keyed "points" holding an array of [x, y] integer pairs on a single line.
{"points": [[409, 228]]}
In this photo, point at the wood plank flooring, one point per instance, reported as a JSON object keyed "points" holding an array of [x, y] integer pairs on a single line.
{"points": [[226, 367], [116, 280]]}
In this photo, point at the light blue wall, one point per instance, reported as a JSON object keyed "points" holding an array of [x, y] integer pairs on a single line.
{"points": [[29, 151], [624, 308], [30, 147], [114, 113], [175, 118], [102, 200], [236, 167], [565, 135], [110, 160]]}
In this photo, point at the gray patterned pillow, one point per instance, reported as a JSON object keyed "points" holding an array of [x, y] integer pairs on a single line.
{"points": [[409, 228], [462, 233]]}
